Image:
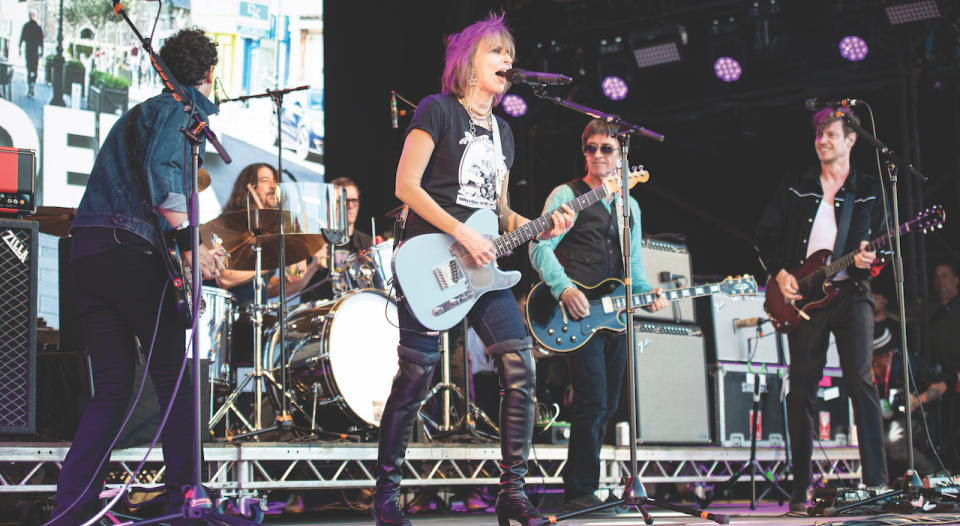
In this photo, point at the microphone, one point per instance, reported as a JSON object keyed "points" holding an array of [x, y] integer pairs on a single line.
{"points": [[670, 276], [393, 109], [815, 104], [216, 93], [522, 76], [749, 322]]}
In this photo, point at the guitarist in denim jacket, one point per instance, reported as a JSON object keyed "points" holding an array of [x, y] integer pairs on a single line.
{"points": [[122, 287], [589, 253], [808, 214]]}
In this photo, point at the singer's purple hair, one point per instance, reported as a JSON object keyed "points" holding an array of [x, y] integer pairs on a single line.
{"points": [[828, 116], [462, 48]]}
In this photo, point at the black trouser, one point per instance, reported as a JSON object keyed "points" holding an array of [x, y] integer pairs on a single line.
{"points": [[117, 296], [597, 372], [850, 317]]}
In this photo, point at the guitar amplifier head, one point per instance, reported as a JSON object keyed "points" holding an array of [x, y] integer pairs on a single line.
{"points": [[664, 263], [18, 169]]}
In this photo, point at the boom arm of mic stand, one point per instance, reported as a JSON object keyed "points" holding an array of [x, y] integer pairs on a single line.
{"points": [[272, 93], [882, 148], [626, 127], [197, 125]]}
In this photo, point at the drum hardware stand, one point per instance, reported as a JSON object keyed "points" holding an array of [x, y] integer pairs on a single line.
{"points": [[197, 502], [634, 494], [466, 424]]}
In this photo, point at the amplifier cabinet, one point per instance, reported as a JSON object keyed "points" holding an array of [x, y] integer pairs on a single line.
{"points": [[672, 384], [661, 258], [19, 250]]}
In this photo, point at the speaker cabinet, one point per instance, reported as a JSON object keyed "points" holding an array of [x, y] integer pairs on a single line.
{"points": [[19, 251], [662, 259], [672, 385]]}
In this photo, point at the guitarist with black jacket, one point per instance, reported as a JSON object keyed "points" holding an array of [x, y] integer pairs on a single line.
{"points": [[589, 253], [837, 208]]}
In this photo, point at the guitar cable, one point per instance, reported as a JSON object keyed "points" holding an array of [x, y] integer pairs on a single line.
{"points": [[126, 418]]}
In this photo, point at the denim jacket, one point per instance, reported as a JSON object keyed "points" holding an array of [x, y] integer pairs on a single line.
{"points": [[784, 229], [112, 198]]}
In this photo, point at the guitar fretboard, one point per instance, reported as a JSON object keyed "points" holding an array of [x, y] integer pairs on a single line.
{"points": [[837, 265], [644, 299], [511, 240]]}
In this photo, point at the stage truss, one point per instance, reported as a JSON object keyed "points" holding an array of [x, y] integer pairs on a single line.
{"points": [[259, 468]]}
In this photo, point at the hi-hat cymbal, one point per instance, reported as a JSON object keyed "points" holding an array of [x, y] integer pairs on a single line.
{"points": [[54, 220]]}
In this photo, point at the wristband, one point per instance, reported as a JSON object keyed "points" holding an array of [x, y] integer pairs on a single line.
{"points": [[184, 239]]}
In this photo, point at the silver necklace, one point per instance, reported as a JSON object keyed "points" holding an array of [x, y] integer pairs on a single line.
{"points": [[484, 121]]}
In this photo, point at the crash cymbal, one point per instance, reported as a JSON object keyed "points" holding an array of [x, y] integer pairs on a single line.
{"points": [[203, 179], [239, 232], [296, 247], [54, 220]]}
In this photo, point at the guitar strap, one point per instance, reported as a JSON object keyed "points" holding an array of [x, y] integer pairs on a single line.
{"points": [[843, 225]]}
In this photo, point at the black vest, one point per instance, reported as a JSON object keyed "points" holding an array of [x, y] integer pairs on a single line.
{"points": [[590, 251]]}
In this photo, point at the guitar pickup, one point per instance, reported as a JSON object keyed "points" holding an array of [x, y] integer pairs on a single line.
{"points": [[453, 302], [448, 274]]}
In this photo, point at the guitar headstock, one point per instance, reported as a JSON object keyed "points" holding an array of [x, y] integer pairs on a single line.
{"points": [[931, 219], [611, 182], [744, 285]]}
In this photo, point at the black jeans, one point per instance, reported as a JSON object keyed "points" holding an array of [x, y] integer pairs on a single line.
{"points": [[117, 296], [597, 372], [850, 317]]}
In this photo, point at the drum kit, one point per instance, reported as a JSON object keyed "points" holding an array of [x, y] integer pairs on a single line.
{"points": [[341, 351]]}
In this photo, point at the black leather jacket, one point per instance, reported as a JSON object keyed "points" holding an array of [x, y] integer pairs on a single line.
{"points": [[784, 229]]}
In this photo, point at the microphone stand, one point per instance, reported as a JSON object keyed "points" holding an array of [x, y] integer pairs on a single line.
{"points": [[284, 420], [893, 162], [634, 494], [197, 503]]}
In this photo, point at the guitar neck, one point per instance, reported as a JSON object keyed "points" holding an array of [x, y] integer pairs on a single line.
{"points": [[837, 265], [647, 298], [511, 240]]}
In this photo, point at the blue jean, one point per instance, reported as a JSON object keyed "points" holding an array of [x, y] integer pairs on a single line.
{"points": [[597, 371], [117, 296], [495, 317]]}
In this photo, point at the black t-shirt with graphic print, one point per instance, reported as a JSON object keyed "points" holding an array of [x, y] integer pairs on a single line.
{"points": [[463, 174]]}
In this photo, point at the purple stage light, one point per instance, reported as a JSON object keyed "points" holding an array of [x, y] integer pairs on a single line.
{"points": [[614, 88], [853, 48], [727, 69], [514, 105]]}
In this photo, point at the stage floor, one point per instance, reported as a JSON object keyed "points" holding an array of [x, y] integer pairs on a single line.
{"points": [[739, 513]]}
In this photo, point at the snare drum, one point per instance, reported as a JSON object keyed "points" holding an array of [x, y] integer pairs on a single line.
{"points": [[370, 268], [217, 313], [343, 357]]}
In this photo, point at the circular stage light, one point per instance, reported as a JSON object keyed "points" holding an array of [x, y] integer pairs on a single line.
{"points": [[614, 88], [514, 105], [853, 48], [727, 69]]}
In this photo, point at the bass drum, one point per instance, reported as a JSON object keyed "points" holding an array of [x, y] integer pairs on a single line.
{"points": [[342, 355]]}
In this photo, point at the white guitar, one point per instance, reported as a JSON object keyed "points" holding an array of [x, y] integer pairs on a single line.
{"points": [[437, 275]]}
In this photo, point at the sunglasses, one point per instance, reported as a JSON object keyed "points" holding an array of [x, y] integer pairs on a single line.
{"points": [[591, 149]]}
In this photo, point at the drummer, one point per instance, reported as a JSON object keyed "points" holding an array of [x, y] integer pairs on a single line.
{"points": [[357, 241], [256, 187]]}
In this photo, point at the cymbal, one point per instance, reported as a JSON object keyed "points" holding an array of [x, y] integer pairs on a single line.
{"points": [[296, 247], [54, 220], [239, 235], [203, 179]]}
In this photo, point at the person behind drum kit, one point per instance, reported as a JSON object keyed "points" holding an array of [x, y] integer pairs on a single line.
{"points": [[808, 213], [256, 188], [451, 165], [589, 253], [357, 241], [122, 288]]}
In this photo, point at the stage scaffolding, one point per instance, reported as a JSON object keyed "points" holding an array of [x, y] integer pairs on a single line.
{"points": [[259, 468]]}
